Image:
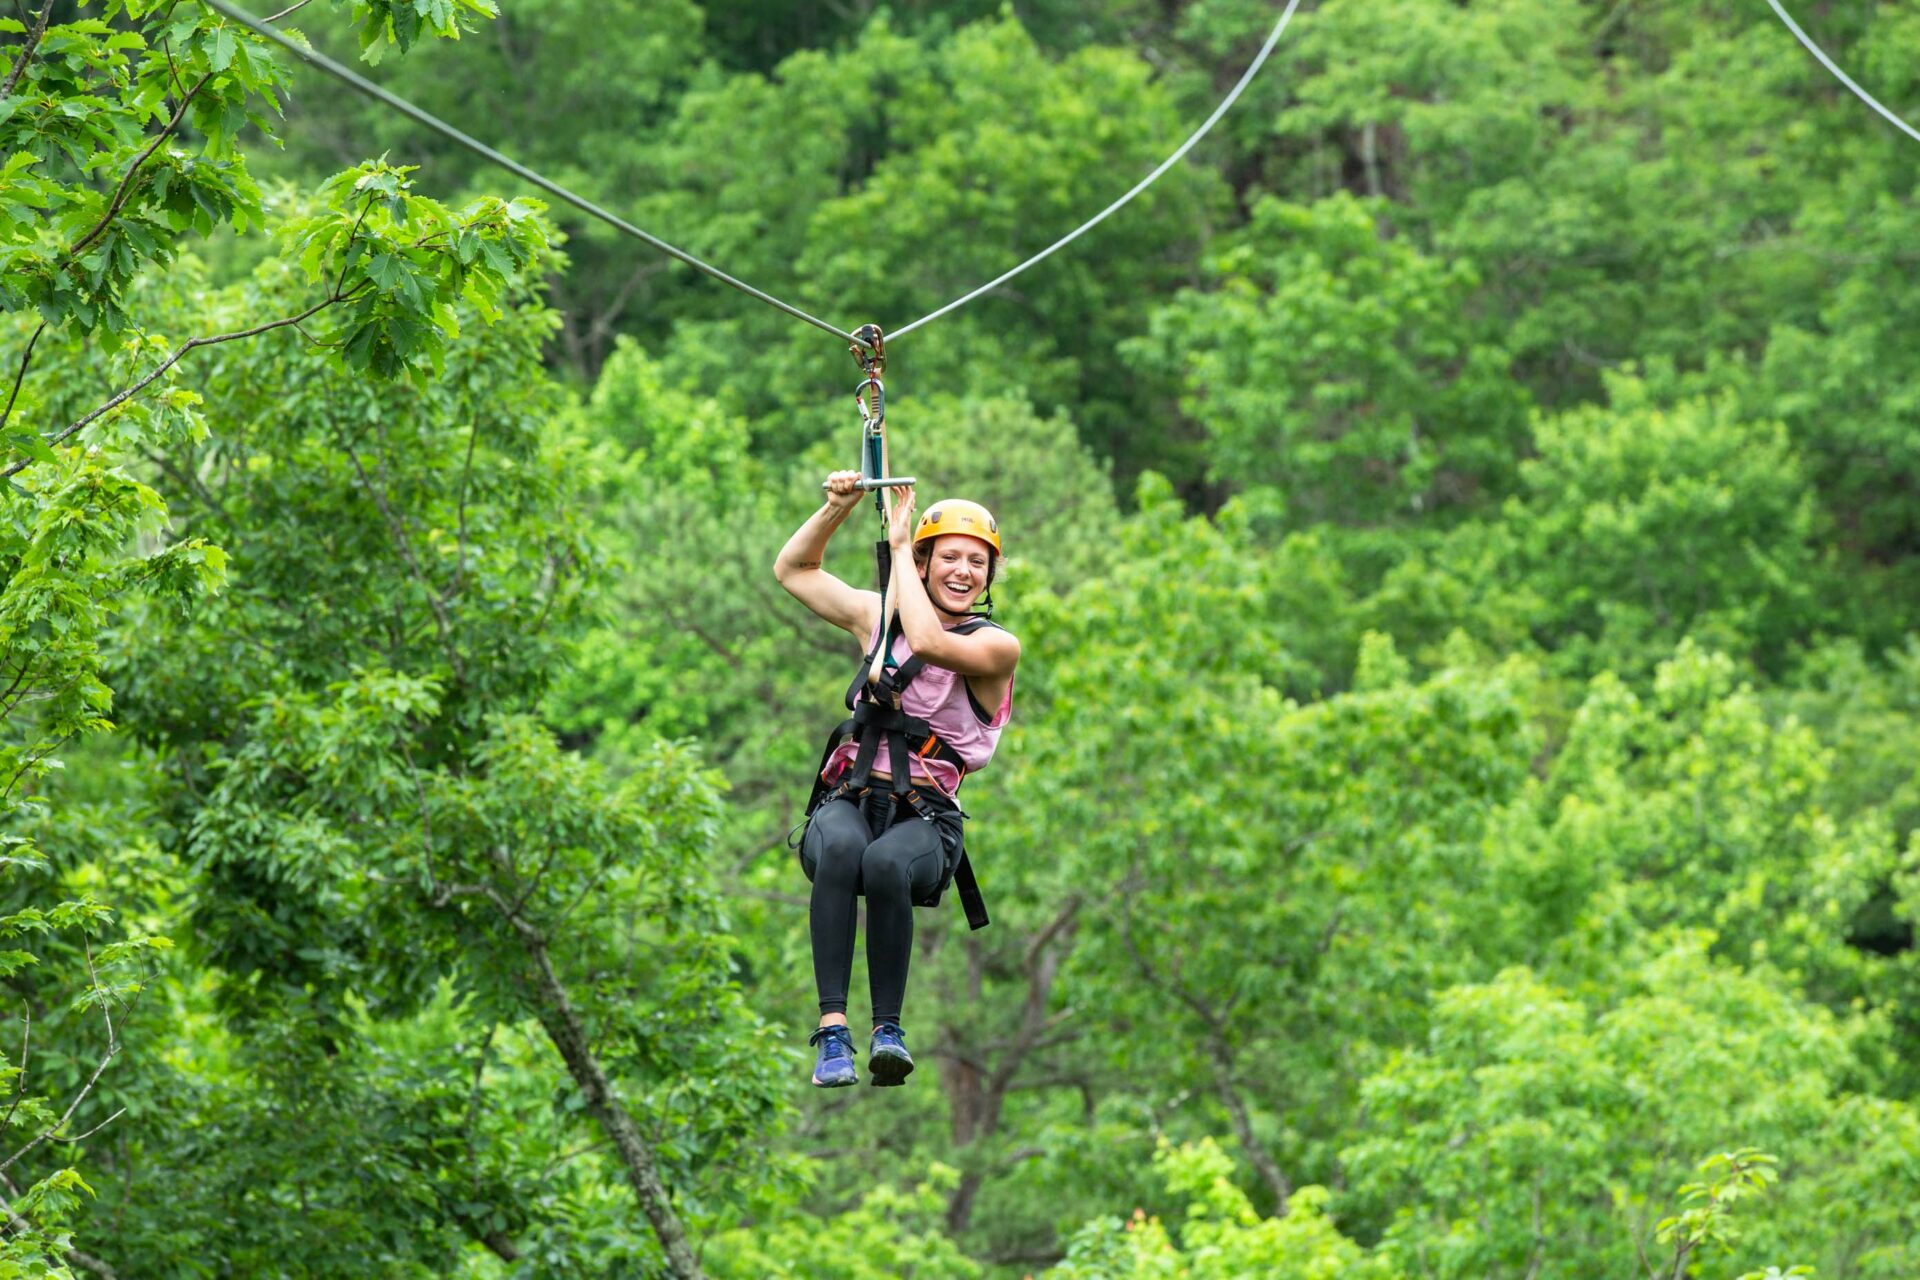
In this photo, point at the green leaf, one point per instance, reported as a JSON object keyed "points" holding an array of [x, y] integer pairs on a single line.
{"points": [[220, 48]]}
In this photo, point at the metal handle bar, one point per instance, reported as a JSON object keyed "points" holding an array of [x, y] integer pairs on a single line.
{"points": [[884, 482]]}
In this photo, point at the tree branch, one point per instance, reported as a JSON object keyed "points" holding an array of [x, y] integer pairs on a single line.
{"points": [[89, 1133], [27, 357], [405, 546], [113, 1051], [604, 320], [67, 432], [26, 50], [7, 701], [187, 479], [26, 1040], [568, 1032], [126, 184]]}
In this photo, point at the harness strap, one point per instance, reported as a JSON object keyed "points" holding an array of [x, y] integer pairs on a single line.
{"points": [[877, 717], [969, 890], [897, 761], [892, 684], [963, 879]]}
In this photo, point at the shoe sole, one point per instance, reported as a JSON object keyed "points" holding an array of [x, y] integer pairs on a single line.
{"points": [[835, 1084], [888, 1068]]}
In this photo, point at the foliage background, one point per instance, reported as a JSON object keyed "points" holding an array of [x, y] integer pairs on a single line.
{"points": [[1460, 814]]}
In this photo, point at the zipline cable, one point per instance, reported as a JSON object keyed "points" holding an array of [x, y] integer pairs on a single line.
{"points": [[1138, 187], [1839, 75], [433, 122]]}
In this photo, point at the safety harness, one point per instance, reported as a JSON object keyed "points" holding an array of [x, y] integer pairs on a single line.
{"points": [[874, 695], [878, 721]]}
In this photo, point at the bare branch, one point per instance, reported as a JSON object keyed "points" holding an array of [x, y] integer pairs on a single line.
{"points": [[26, 50], [27, 357], [603, 322], [404, 545], [89, 1133], [67, 432], [26, 1039], [1065, 917], [113, 1051]]}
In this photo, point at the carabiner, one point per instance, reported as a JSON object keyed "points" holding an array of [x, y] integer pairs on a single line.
{"points": [[871, 397]]}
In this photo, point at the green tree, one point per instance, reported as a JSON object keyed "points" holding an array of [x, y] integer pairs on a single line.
{"points": [[1338, 365], [1537, 1129], [1220, 1235], [1636, 524]]}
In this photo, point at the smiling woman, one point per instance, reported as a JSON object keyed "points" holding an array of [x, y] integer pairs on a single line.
{"points": [[888, 826]]}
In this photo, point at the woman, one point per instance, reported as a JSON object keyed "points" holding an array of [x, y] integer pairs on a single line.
{"points": [[861, 839]]}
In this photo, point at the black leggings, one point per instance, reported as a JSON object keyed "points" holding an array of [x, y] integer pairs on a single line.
{"points": [[907, 864]]}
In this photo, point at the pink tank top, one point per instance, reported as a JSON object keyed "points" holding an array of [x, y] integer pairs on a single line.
{"points": [[939, 697]]}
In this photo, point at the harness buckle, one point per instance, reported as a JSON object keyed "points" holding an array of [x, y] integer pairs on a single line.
{"points": [[918, 804]]}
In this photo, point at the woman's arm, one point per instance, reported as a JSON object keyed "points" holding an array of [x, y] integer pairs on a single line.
{"points": [[797, 567], [990, 652]]}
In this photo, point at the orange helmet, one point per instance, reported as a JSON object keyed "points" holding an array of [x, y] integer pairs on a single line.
{"points": [[957, 515]]}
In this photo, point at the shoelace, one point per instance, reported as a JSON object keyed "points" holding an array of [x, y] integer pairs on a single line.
{"points": [[839, 1041], [893, 1029]]}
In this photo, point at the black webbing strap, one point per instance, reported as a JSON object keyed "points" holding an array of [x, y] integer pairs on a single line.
{"points": [[892, 684], [873, 724], [897, 761], [963, 880], [969, 890]]}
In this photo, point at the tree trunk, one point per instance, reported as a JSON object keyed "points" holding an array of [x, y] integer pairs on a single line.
{"points": [[1263, 1161], [569, 1036], [977, 1095]]}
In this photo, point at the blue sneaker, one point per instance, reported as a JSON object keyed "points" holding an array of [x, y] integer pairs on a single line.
{"points": [[834, 1068], [887, 1056]]}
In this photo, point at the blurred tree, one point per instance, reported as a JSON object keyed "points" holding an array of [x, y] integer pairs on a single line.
{"points": [[1337, 365]]}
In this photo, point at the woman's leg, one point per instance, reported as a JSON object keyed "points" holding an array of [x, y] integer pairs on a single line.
{"points": [[903, 864], [830, 852]]}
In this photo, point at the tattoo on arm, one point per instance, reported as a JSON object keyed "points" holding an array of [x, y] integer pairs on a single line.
{"points": [[806, 564]]}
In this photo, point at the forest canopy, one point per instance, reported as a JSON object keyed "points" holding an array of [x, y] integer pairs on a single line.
{"points": [[1459, 814]]}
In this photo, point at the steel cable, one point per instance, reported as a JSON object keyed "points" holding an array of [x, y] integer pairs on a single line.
{"points": [[1232, 96], [1838, 74], [613, 220], [440, 126]]}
